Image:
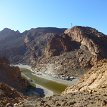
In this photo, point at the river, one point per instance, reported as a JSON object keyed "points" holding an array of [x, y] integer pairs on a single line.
{"points": [[48, 84]]}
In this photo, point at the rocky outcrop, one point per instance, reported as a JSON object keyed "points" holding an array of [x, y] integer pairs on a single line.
{"points": [[37, 40], [90, 38], [56, 46], [11, 84], [73, 63], [79, 99], [12, 76], [72, 53], [60, 44], [9, 96], [93, 80], [50, 42]]}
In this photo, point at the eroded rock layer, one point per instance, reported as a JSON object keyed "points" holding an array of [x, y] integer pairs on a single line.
{"points": [[12, 76]]}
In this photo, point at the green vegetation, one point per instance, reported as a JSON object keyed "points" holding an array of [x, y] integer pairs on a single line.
{"points": [[49, 84]]}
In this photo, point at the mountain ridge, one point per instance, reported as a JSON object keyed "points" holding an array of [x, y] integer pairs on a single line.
{"points": [[78, 52], [14, 41], [49, 45]]}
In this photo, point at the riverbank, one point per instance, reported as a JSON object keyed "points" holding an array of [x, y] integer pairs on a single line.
{"points": [[39, 90], [47, 92], [49, 77], [50, 85]]}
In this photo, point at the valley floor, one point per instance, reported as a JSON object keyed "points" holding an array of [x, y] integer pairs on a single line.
{"points": [[47, 91], [49, 77]]}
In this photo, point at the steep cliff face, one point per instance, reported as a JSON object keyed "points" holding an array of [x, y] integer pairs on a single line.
{"points": [[73, 52], [36, 41], [55, 47], [12, 76], [59, 44], [96, 76], [95, 41]]}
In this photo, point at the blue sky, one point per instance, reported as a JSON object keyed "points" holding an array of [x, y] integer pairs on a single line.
{"points": [[25, 14]]}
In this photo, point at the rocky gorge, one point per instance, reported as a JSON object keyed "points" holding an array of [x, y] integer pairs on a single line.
{"points": [[72, 53], [78, 52]]}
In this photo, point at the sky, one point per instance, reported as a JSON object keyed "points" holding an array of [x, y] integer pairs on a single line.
{"points": [[26, 14]]}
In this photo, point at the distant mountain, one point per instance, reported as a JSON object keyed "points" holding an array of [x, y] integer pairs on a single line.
{"points": [[6, 32], [12, 44]]}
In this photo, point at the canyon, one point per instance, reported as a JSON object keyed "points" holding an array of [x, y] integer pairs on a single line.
{"points": [[58, 52]]}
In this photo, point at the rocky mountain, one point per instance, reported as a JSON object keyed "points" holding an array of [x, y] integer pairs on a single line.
{"points": [[14, 45], [70, 52], [86, 48], [73, 52], [95, 41], [55, 51], [6, 32], [36, 41]]}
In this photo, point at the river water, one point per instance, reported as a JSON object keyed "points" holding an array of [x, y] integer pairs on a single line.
{"points": [[43, 85], [57, 88]]}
